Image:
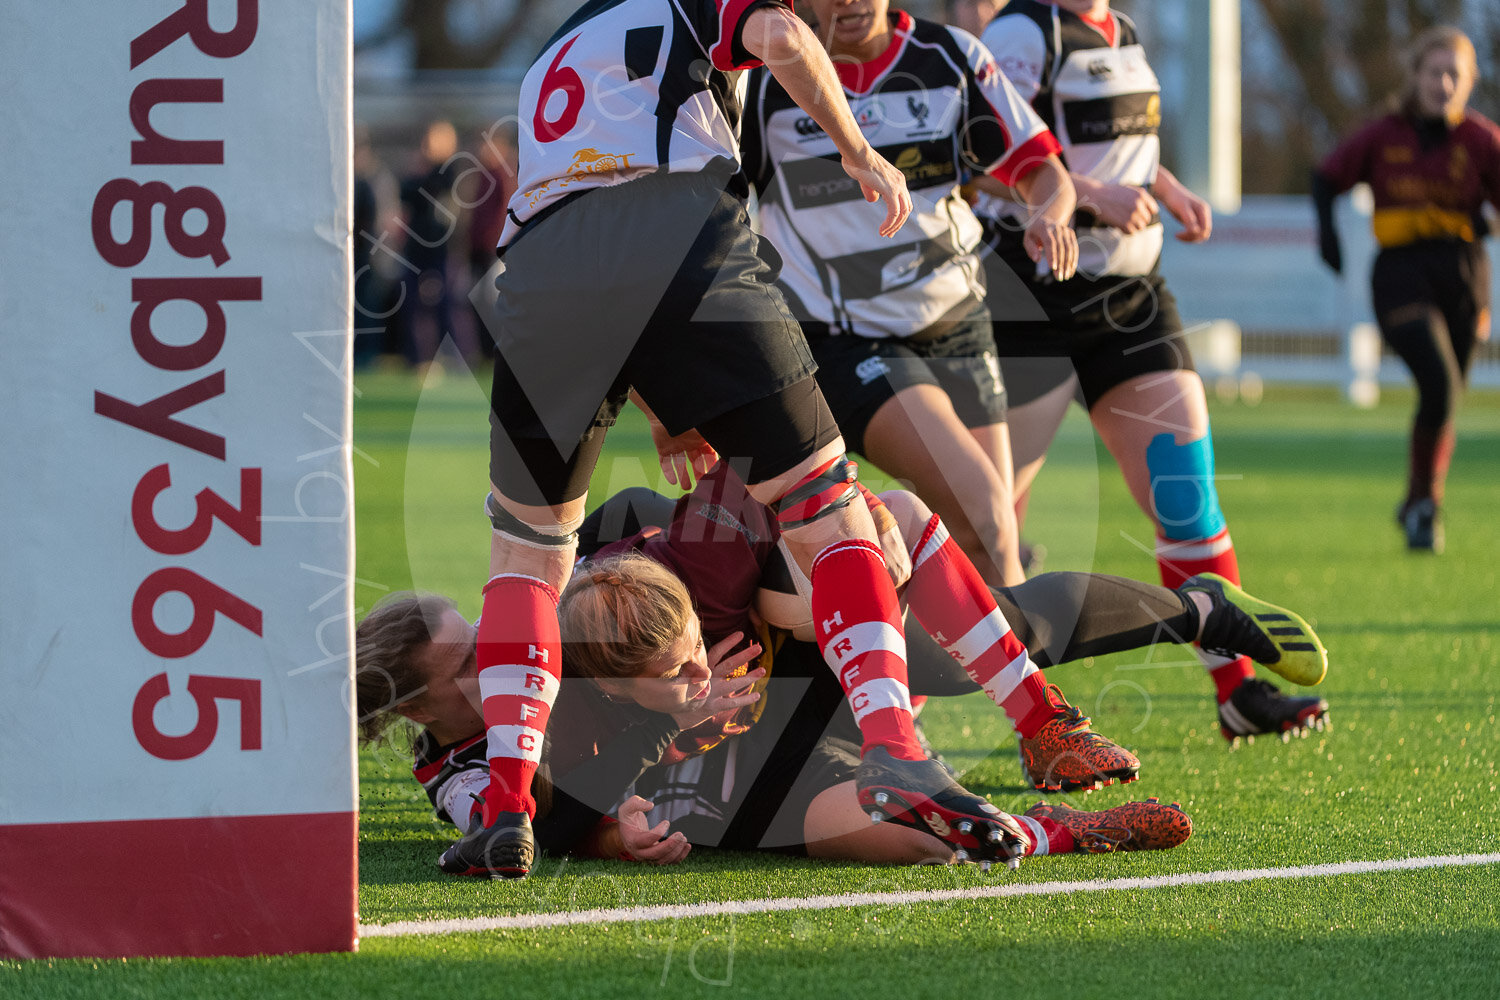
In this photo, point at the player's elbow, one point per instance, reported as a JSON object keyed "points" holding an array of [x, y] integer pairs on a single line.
{"points": [[776, 37]]}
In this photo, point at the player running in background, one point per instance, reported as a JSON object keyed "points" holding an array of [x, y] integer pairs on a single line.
{"points": [[628, 263], [1432, 164], [1115, 326], [899, 329]]}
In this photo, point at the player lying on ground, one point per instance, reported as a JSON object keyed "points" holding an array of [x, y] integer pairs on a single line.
{"points": [[719, 541], [779, 775], [629, 264]]}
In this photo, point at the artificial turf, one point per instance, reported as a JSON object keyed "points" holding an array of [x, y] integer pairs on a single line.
{"points": [[1407, 768]]}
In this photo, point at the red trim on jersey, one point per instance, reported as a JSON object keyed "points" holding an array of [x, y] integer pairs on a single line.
{"points": [[221, 885], [426, 772], [1025, 158], [860, 77], [1106, 26], [732, 14]]}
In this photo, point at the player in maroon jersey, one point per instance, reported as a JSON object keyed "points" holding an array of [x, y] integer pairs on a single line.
{"points": [[633, 629], [629, 265], [1431, 164]]}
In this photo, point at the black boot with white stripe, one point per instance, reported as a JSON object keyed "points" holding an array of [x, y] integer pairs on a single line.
{"points": [[1258, 708]]}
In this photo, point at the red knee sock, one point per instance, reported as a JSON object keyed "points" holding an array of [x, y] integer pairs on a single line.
{"points": [[1179, 560], [858, 626], [520, 660], [953, 603]]}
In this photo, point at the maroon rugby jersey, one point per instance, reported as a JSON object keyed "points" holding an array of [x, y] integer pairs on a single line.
{"points": [[1423, 189]]}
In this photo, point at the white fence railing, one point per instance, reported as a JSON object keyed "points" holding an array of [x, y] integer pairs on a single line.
{"points": [[1297, 321]]}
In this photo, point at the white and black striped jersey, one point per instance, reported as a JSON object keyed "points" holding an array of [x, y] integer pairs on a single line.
{"points": [[1092, 85], [935, 105], [629, 87]]}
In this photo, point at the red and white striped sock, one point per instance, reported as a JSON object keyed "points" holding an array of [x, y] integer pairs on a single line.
{"points": [[1046, 835], [519, 654], [857, 622], [1179, 560], [953, 603]]}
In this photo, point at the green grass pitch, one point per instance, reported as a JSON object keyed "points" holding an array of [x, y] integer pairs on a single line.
{"points": [[1407, 769]]}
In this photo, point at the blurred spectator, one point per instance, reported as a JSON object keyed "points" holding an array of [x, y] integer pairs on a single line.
{"points": [[488, 187], [433, 227], [375, 293]]}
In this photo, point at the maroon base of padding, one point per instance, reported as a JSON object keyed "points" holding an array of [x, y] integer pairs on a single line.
{"points": [[225, 885]]}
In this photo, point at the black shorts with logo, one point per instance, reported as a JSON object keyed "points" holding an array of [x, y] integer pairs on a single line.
{"points": [[858, 374], [1108, 330], [657, 284]]}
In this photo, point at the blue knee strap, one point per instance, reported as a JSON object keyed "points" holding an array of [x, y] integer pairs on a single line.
{"points": [[1183, 496]]}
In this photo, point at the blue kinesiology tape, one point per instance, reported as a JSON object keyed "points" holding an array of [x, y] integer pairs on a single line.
{"points": [[1182, 488]]}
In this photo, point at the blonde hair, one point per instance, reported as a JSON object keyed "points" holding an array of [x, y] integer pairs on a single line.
{"points": [[1440, 36], [386, 644], [620, 613]]}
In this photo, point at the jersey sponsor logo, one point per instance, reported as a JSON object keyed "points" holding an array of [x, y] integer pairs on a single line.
{"points": [[586, 162], [867, 113], [719, 515], [925, 164], [871, 369], [1100, 69], [817, 181], [1105, 119], [918, 110]]}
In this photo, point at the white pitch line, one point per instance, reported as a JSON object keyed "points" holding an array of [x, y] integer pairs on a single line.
{"points": [[674, 911]]}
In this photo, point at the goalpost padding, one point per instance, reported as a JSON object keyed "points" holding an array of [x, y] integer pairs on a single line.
{"points": [[177, 769]]}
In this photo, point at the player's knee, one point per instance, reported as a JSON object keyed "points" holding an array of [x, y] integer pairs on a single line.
{"points": [[821, 493], [557, 535], [910, 512], [1184, 500]]}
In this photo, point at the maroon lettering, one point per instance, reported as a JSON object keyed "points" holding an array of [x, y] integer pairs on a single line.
{"points": [[208, 599], [191, 19], [243, 520], [156, 417], [205, 692], [207, 294], [209, 243], [153, 147]]}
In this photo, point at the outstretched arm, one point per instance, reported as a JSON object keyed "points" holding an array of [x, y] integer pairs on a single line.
{"points": [[792, 54]]}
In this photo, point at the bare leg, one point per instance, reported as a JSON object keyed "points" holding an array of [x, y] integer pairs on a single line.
{"points": [[1033, 426], [916, 437]]}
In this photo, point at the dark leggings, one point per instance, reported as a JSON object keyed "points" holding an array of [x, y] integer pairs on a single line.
{"points": [[1428, 299], [1063, 617], [1059, 616]]}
